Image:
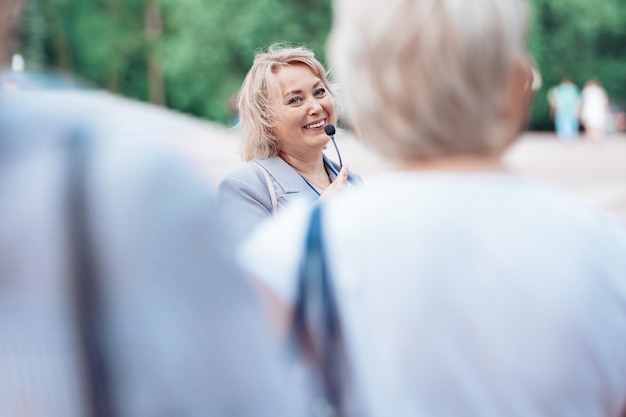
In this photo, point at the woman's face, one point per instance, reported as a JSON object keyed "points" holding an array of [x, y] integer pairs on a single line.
{"points": [[301, 106]]}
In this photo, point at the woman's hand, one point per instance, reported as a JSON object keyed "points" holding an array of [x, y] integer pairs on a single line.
{"points": [[340, 184]]}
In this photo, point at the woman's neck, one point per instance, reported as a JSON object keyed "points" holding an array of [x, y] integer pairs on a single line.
{"points": [[306, 166], [313, 171]]}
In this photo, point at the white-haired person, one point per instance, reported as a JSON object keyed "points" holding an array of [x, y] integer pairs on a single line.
{"points": [[284, 105], [461, 288]]}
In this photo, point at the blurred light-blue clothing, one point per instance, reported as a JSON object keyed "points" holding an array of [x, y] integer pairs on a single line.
{"points": [[245, 199], [566, 100], [185, 333], [475, 295]]}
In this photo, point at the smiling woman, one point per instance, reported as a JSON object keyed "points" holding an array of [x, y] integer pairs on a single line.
{"points": [[302, 110], [284, 105]]}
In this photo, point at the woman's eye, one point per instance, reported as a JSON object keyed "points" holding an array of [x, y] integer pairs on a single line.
{"points": [[294, 100], [320, 91]]}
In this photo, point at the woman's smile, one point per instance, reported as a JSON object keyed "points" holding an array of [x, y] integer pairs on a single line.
{"points": [[302, 106], [316, 125]]}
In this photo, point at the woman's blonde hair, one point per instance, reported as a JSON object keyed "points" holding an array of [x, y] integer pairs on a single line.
{"points": [[428, 78], [255, 118]]}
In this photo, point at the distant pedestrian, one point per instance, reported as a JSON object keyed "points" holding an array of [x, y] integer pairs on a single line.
{"points": [[595, 109], [565, 108]]}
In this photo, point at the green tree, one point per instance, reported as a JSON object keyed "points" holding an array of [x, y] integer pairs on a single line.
{"points": [[580, 39], [33, 31], [209, 46], [192, 55]]}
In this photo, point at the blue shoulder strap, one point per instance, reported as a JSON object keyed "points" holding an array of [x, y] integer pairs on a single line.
{"points": [[316, 327], [88, 307]]}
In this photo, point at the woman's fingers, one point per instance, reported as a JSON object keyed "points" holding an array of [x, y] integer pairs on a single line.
{"points": [[343, 175], [340, 183]]}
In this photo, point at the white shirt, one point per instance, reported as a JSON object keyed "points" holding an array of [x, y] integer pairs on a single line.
{"points": [[595, 106], [473, 295]]}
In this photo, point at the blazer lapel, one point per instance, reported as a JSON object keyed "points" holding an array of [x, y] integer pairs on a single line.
{"points": [[287, 178]]}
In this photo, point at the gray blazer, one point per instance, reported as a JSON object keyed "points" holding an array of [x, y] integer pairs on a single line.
{"points": [[245, 198]]}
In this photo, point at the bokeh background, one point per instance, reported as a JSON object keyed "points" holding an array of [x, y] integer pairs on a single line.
{"points": [[192, 55]]}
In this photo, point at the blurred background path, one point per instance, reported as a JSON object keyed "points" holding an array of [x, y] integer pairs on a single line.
{"points": [[592, 171]]}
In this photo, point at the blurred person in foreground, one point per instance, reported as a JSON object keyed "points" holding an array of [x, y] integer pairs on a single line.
{"points": [[565, 102], [285, 103], [118, 292], [462, 288]]}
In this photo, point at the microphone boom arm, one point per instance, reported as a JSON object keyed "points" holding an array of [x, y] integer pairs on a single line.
{"points": [[330, 131]]}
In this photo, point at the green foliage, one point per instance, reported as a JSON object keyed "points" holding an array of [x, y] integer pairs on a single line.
{"points": [[581, 39], [210, 45], [206, 46], [101, 41], [33, 32]]}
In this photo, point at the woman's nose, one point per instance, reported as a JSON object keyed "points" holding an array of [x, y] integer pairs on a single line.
{"points": [[314, 106]]}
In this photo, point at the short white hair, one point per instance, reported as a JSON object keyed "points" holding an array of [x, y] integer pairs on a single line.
{"points": [[427, 78]]}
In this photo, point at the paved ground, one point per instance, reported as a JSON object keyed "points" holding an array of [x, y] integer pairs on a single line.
{"points": [[594, 172]]}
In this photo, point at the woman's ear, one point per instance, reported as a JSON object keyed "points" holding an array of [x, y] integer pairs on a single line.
{"points": [[519, 95]]}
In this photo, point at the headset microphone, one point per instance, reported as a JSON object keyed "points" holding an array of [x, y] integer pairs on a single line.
{"points": [[330, 131]]}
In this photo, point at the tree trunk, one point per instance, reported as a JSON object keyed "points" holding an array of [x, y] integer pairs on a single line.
{"points": [[59, 40], [10, 16], [112, 73], [154, 29]]}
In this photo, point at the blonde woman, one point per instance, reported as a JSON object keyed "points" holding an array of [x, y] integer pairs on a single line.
{"points": [[462, 288], [285, 104]]}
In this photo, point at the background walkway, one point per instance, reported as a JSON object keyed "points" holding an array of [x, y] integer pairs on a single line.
{"points": [[593, 172]]}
